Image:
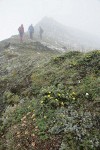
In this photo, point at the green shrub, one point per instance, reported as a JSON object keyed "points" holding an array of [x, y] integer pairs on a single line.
{"points": [[11, 98]]}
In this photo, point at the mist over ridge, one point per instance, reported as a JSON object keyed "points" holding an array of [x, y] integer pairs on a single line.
{"points": [[59, 36], [80, 14], [67, 36]]}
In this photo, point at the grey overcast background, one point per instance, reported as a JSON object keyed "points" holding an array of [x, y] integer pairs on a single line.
{"points": [[80, 14]]}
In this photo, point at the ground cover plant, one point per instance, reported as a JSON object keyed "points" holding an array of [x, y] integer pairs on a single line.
{"points": [[58, 108]]}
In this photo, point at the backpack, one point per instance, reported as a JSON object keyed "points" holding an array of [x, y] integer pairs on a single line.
{"points": [[21, 30], [31, 29]]}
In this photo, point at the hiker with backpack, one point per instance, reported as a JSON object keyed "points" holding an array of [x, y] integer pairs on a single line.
{"points": [[31, 31], [21, 32], [41, 32]]}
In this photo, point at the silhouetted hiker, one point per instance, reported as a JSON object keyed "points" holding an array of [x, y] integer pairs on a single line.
{"points": [[7, 45], [31, 31], [41, 32], [21, 32]]}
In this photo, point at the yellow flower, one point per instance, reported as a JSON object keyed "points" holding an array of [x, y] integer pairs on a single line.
{"points": [[74, 93], [73, 98], [48, 95], [41, 102], [59, 94], [62, 103], [45, 117], [56, 99]]}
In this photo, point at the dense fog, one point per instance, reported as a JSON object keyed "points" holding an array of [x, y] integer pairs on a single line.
{"points": [[78, 14]]}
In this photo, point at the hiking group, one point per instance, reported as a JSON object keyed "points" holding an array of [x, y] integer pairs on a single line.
{"points": [[31, 32]]}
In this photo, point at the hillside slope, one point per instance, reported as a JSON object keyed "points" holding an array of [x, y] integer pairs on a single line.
{"points": [[55, 106], [19, 60]]}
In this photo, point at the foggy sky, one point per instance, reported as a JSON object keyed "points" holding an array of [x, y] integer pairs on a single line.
{"points": [[80, 14]]}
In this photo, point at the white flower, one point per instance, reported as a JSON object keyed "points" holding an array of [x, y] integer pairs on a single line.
{"points": [[87, 94]]}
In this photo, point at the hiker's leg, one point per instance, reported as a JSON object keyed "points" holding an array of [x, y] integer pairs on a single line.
{"points": [[21, 37], [31, 36]]}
